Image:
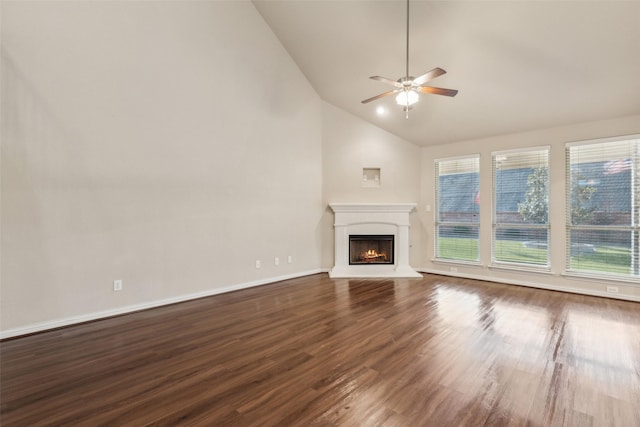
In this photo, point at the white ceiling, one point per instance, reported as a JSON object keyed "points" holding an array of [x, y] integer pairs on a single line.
{"points": [[519, 65]]}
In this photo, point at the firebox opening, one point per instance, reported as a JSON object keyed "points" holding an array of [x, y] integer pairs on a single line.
{"points": [[371, 249]]}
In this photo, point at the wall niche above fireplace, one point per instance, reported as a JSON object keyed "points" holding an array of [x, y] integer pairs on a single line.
{"points": [[371, 249]]}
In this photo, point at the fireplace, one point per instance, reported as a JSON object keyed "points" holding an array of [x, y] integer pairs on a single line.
{"points": [[372, 240], [370, 249]]}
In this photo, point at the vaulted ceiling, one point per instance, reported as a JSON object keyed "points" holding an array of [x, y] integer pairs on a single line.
{"points": [[519, 65]]}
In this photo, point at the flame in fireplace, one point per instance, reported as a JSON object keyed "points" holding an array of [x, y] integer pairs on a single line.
{"points": [[372, 253]]}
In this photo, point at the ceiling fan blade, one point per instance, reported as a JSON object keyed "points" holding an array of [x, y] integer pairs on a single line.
{"points": [[386, 80], [437, 90], [429, 75], [380, 96]]}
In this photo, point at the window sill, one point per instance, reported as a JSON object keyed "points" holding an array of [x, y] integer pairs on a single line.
{"points": [[521, 267], [456, 261], [602, 277]]}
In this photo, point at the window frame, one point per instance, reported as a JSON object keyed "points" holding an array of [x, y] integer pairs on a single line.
{"points": [[496, 226], [438, 223], [633, 228]]}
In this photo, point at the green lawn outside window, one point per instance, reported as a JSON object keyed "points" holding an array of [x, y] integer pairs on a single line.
{"points": [[606, 259]]}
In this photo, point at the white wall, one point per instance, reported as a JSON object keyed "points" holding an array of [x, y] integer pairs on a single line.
{"points": [[350, 144], [167, 144], [556, 138]]}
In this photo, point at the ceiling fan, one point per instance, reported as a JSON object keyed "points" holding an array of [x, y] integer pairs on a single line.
{"points": [[408, 87]]}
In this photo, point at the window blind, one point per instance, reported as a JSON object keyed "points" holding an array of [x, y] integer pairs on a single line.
{"points": [[458, 208], [603, 207], [521, 207]]}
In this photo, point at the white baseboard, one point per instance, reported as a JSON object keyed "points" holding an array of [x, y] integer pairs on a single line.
{"points": [[568, 289], [68, 321]]}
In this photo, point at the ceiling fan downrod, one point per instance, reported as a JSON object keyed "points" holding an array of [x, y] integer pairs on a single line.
{"points": [[407, 68], [406, 107]]}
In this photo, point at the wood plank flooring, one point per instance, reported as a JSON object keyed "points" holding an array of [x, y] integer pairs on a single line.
{"points": [[436, 351]]}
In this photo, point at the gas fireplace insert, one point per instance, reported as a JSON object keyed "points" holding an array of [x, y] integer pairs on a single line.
{"points": [[371, 249]]}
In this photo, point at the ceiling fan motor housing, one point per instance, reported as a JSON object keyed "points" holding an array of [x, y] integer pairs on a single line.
{"points": [[406, 81]]}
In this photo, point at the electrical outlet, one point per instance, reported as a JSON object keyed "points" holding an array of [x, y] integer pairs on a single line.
{"points": [[612, 289], [117, 285], [276, 261], [290, 259], [257, 263]]}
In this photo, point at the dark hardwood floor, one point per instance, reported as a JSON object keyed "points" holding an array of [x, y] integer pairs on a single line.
{"points": [[436, 351]]}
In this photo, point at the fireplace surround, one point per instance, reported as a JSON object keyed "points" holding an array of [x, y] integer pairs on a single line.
{"points": [[390, 220]]}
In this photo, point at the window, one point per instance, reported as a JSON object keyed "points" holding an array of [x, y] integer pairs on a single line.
{"points": [[603, 207], [458, 215], [521, 207]]}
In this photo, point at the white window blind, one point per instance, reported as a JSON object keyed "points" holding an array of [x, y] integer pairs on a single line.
{"points": [[458, 204], [521, 207], [603, 207]]}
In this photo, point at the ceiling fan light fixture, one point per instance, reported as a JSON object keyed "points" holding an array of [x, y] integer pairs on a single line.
{"points": [[407, 97]]}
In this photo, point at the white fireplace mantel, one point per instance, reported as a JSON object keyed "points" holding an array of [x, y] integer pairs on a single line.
{"points": [[372, 218]]}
